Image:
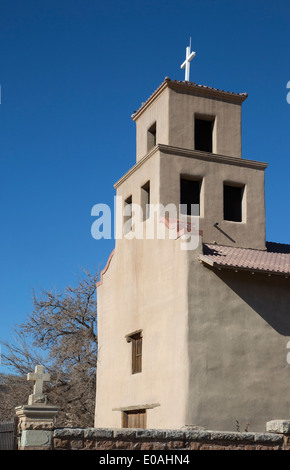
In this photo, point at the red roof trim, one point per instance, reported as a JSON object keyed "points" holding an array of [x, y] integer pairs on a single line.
{"points": [[274, 260]]}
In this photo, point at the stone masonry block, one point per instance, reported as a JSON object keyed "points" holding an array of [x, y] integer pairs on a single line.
{"points": [[279, 426], [33, 438]]}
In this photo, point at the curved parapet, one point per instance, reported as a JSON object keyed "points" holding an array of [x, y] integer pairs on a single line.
{"points": [[100, 282]]}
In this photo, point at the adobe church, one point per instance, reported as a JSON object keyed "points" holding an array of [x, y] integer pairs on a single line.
{"points": [[194, 336]]}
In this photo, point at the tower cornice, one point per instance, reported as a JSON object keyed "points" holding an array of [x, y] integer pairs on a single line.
{"points": [[193, 88], [194, 154]]}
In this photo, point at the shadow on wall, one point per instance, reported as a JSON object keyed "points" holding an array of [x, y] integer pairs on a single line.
{"points": [[235, 322], [268, 296]]}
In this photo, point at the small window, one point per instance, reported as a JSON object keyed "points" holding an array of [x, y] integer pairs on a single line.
{"points": [[151, 137], [145, 200], [190, 194], [136, 340], [128, 215], [134, 419], [203, 134], [233, 198]]}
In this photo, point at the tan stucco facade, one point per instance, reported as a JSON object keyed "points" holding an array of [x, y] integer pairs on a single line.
{"points": [[213, 344], [238, 330]]}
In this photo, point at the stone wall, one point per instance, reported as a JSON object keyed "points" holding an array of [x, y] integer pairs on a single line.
{"points": [[36, 431], [152, 439]]}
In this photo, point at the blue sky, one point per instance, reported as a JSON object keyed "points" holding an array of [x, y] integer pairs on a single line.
{"points": [[71, 75]]}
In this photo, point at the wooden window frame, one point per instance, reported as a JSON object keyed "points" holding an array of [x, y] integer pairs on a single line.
{"points": [[142, 416], [136, 339]]}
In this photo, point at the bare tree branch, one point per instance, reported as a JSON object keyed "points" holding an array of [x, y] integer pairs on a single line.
{"points": [[61, 334]]}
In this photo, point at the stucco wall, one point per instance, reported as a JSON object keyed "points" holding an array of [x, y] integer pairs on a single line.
{"points": [[157, 112], [144, 288], [184, 106], [250, 233], [139, 292], [148, 286], [239, 326], [174, 108]]}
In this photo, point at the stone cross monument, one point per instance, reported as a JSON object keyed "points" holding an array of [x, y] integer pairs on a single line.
{"points": [[38, 377], [36, 420]]}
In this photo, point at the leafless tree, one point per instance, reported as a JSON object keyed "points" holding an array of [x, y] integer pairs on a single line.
{"points": [[13, 392], [61, 334]]}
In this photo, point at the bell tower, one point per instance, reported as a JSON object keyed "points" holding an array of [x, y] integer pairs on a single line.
{"points": [[190, 116], [196, 132]]}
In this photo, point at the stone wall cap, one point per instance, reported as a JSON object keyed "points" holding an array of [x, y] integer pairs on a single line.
{"points": [[173, 434], [268, 437], [91, 433], [280, 426], [68, 432], [37, 412], [38, 407]]}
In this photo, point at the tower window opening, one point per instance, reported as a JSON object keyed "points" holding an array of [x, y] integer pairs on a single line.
{"points": [[189, 195], [233, 199], [128, 215], [145, 200], [151, 137], [203, 134]]}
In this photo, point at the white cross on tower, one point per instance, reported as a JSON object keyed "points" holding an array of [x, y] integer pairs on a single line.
{"points": [[38, 377], [186, 64]]}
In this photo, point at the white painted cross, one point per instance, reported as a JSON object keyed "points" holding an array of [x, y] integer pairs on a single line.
{"points": [[38, 377], [186, 64]]}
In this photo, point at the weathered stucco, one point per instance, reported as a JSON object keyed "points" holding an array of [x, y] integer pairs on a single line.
{"points": [[250, 233], [142, 270], [238, 329], [184, 106], [157, 112], [139, 292]]}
